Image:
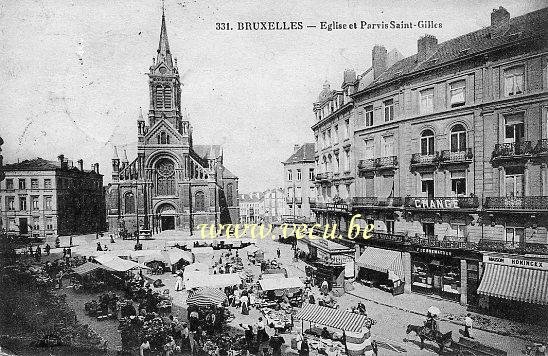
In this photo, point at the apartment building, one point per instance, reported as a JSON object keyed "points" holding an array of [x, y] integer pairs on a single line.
{"points": [[299, 183]]}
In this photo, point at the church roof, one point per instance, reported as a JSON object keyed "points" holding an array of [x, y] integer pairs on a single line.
{"points": [[208, 151], [305, 153], [228, 174], [164, 54]]}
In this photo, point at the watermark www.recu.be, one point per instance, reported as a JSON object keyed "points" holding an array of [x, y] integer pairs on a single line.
{"points": [[299, 231]]}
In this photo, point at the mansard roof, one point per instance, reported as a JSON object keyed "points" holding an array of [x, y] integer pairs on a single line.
{"points": [[305, 153]]}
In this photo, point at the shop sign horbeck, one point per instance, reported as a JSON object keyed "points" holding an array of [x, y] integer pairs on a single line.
{"points": [[436, 203], [516, 262]]}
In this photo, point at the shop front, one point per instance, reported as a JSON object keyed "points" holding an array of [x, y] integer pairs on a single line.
{"points": [[382, 269], [435, 271], [515, 286]]}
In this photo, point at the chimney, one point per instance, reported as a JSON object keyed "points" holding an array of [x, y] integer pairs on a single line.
{"points": [[62, 162], [378, 60], [426, 46], [349, 76], [96, 168], [296, 148], [500, 18], [80, 164]]}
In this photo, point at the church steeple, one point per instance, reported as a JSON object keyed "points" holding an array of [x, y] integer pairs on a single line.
{"points": [[164, 54]]}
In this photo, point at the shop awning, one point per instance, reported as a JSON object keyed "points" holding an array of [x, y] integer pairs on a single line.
{"points": [[86, 268], [515, 283], [381, 260], [280, 283], [332, 318]]}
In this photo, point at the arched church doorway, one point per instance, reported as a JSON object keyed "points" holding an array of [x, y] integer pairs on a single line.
{"points": [[166, 213]]}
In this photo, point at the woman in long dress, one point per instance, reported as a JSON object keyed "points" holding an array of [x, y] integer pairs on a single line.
{"points": [[179, 283]]}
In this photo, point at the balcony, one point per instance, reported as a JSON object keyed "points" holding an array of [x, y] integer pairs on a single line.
{"points": [[366, 165], [541, 148], [376, 164], [512, 150], [448, 156], [294, 200], [445, 242], [325, 176], [513, 247], [442, 203], [391, 202], [388, 236], [517, 203], [364, 201], [418, 159]]}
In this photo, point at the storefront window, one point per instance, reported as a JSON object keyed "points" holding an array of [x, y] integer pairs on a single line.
{"points": [[437, 274]]}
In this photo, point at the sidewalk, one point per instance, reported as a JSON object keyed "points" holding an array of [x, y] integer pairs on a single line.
{"points": [[452, 312]]}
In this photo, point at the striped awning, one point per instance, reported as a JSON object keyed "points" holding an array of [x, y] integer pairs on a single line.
{"points": [[515, 283], [332, 318], [381, 260]]}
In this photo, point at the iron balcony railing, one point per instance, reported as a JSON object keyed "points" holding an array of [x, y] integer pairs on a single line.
{"points": [[517, 203], [364, 201], [541, 148], [388, 236], [517, 247], [324, 176], [378, 163], [387, 162], [425, 160], [442, 202], [448, 156], [512, 149], [367, 164], [391, 202]]}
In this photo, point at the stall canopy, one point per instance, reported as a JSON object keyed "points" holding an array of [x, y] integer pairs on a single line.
{"points": [[87, 267], [213, 281], [280, 283], [117, 264], [204, 297], [174, 255], [332, 318], [381, 260], [251, 249], [196, 267], [508, 282], [202, 250]]}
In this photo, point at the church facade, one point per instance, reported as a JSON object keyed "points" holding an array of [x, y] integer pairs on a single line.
{"points": [[173, 184]]}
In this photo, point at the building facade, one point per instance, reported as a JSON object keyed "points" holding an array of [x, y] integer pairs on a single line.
{"points": [[299, 183], [251, 208], [43, 198], [450, 152], [173, 184], [274, 205]]}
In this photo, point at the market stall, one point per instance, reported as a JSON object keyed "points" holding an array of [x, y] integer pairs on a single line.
{"points": [[205, 297], [254, 254], [213, 280], [202, 254], [354, 327], [288, 290]]}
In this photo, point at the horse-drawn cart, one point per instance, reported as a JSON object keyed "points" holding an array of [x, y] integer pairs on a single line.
{"points": [[467, 347]]}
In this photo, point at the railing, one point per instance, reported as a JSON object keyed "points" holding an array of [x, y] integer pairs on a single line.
{"points": [[317, 205], [394, 202], [512, 247], [512, 149], [388, 236], [446, 242], [366, 164], [364, 201], [448, 156], [324, 176], [294, 219], [542, 147], [442, 202], [420, 159], [387, 162], [337, 206], [517, 203]]}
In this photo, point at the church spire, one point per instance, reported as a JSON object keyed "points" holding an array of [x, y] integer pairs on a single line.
{"points": [[164, 54]]}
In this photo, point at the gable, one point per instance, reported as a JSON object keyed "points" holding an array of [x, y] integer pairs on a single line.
{"points": [[162, 125]]}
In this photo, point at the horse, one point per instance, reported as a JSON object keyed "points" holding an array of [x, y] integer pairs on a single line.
{"points": [[443, 340]]}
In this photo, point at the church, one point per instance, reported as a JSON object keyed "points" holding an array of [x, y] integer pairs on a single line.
{"points": [[173, 184]]}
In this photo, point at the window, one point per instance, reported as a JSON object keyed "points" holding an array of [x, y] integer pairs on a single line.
{"points": [[457, 93], [311, 174], [514, 129], [346, 129], [34, 203], [390, 226], [458, 138], [347, 161], [388, 110], [22, 203], [329, 138], [427, 184], [513, 81], [369, 116], [129, 203], [163, 138], [298, 192], [324, 141], [458, 183], [22, 184], [458, 230], [199, 201], [47, 202], [336, 133], [299, 175], [515, 234], [47, 183], [289, 175], [428, 229], [369, 148], [290, 192], [34, 183], [427, 101], [9, 184], [36, 224], [514, 183], [337, 163], [229, 194], [167, 97], [427, 143], [10, 203], [388, 146], [49, 223], [12, 225], [159, 97]]}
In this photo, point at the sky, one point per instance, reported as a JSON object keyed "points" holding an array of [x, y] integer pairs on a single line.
{"points": [[73, 72]]}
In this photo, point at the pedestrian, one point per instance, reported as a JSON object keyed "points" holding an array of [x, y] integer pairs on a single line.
{"points": [[69, 252], [99, 248], [38, 253], [244, 301], [276, 343], [64, 252], [278, 252], [468, 325], [262, 336], [70, 243], [325, 286], [47, 249], [179, 283], [145, 345]]}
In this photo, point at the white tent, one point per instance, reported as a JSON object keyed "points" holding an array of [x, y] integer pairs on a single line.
{"points": [[196, 267], [117, 264], [280, 283], [213, 280]]}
